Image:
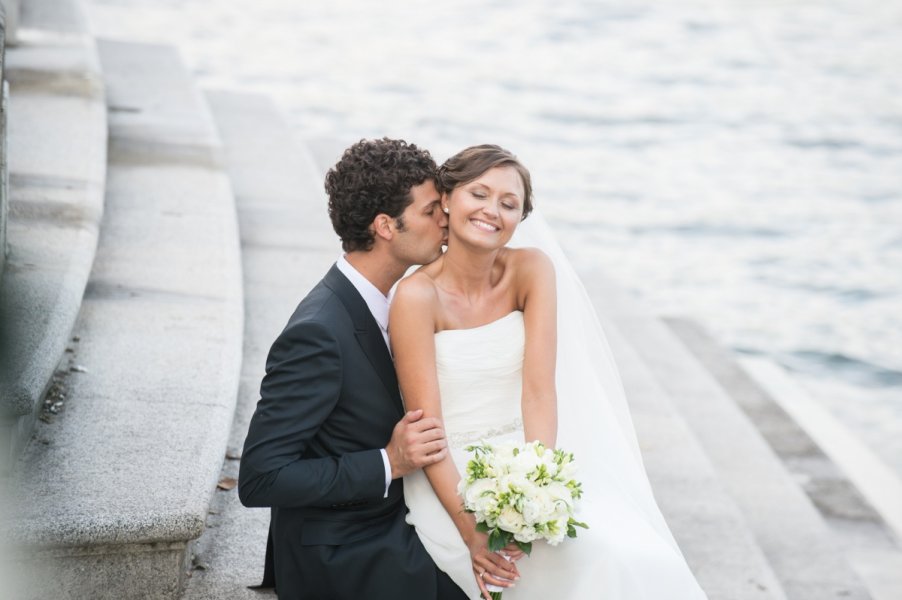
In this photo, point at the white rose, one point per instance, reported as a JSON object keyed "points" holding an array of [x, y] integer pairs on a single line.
{"points": [[486, 505], [559, 493], [567, 472], [476, 493], [510, 520], [526, 462], [536, 508], [504, 451], [527, 534]]}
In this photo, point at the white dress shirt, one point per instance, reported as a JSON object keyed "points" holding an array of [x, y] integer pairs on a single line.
{"points": [[377, 302]]}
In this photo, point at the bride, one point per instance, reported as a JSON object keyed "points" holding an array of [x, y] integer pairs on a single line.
{"points": [[502, 343]]}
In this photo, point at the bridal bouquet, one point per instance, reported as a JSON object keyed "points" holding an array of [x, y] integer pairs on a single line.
{"points": [[521, 493]]}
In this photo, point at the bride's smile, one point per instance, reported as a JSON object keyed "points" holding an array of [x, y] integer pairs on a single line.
{"points": [[488, 209], [484, 226]]}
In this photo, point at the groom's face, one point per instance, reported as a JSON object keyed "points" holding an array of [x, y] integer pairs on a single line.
{"points": [[425, 227]]}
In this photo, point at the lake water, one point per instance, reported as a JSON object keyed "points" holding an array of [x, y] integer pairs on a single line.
{"points": [[737, 162]]}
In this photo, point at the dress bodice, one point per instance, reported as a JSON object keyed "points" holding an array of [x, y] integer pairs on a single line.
{"points": [[480, 376]]}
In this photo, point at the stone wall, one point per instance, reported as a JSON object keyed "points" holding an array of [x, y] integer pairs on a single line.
{"points": [[11, 9], [4, 170]]}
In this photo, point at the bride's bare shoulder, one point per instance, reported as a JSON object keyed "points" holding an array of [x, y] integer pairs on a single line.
{"points": [[527, 261], [416, 291]]}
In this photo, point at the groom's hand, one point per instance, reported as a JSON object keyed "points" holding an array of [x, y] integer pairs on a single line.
{"points": [[416, 442]]}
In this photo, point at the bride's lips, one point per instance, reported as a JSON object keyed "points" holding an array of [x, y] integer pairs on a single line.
{"points": [[483, 226]]}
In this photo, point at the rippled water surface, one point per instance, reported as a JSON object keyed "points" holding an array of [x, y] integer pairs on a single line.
{"points": [[737, 162]]}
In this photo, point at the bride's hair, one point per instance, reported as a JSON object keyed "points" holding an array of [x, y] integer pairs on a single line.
{"points": [[470, 163]]}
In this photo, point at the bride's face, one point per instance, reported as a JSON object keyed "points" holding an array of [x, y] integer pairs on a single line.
{"points": [[486, 211]]}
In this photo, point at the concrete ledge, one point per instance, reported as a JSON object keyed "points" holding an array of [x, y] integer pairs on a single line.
{"points": [[121, 481], [707, 524], [287, 245], [870, 541], [796, 541], [81, 573], [11, 11], [60, 16], [57, 164], [5, 24]]}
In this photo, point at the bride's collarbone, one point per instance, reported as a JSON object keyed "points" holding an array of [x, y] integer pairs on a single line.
{"points": [[471, 316]]}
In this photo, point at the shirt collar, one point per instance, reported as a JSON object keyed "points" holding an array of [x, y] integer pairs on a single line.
{"points": [[375, 300]]}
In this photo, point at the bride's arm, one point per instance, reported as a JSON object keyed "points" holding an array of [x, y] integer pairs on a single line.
{"points": [[537, 295], [412, 326]]}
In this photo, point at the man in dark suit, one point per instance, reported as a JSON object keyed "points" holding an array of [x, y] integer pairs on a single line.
{"points": [[329, 440]]}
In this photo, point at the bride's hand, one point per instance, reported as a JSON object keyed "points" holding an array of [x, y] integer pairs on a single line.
{"points": [[512, 552], [491, 567]]}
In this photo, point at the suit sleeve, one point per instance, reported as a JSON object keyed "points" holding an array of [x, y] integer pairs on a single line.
{"points": [[300, 389]]}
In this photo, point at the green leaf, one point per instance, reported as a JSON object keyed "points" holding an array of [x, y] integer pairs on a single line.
{"points": [[481, 527], [571, 527], [498, 539], [525, 547]]}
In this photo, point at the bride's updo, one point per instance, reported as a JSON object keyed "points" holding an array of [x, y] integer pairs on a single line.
{"points": [[470, 163]]}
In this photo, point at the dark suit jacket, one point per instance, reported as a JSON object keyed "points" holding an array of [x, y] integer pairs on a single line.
{"points": [[329, 402]]}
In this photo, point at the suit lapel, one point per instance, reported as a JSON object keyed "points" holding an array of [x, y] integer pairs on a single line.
{"points": [[367, 331]]}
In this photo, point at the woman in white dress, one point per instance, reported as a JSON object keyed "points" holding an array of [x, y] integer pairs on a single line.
{"points": [[477, 337]]}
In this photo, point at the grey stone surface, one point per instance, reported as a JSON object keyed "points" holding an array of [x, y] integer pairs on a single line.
{"points": [[287, 245], [861, 533], [704, 519], [132, 461], [798, 544], [62, 16], [81, 573], [57, 162], [11, 20], [867, 542], [4, 156]]}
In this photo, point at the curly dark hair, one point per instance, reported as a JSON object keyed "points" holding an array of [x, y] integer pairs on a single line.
{"points": [[470, 163], [373, 177]]}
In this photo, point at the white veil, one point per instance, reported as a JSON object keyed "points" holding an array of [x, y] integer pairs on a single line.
{"points": [[594, 419]]}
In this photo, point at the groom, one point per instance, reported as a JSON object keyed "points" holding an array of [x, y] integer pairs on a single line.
{"points": [[329, 440]]}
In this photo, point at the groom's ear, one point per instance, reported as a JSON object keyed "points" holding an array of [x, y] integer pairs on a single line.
{"points": [[383, 226]]}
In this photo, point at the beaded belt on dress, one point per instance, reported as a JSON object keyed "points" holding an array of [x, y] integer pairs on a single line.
{"points": [[463, 438]]}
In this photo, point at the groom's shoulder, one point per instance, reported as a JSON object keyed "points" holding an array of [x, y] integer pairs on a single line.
{"points": [[319, 305], [319, 309]]}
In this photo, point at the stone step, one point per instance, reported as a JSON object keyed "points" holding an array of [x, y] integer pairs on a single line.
{"points": [[287, 245], [113, 490], [11, 20], [798, 544], [57, 162], [860, 497], [707, 524]]}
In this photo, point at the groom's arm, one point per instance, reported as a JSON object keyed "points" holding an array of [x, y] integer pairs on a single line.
{"points": [[301, 388]]}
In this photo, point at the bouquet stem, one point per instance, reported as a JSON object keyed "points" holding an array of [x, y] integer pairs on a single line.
{"points": [[495, 595]]}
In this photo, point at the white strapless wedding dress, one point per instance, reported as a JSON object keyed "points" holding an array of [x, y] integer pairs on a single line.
{"points": [[626, 554]]}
